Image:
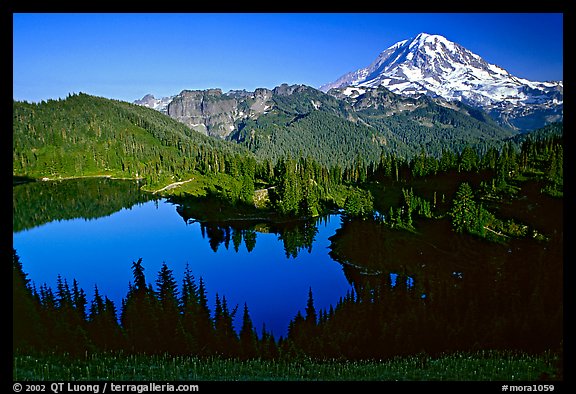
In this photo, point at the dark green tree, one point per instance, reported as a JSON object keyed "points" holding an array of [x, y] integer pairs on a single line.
{"points": [[69, 330], [463, 209], [79, 301], [190, 311], [140, 313], [311, 317], [204, 323], [448, 160], [103, 329], [249, 239], [170, 328], [268, 348], [468, 159], [237, 239], [359, 204], [248, 338], [290, 189], [225, 338], [27, 328], [138, 273]]}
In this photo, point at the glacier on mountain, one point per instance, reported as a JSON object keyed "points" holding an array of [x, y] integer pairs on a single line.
{"points": [[433, 65]]}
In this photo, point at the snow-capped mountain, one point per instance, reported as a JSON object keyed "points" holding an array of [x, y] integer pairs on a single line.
{"points": [[433, 65], [158, 104]]}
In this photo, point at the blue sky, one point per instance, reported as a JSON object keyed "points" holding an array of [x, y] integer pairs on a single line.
{"points": [[125, 56]]}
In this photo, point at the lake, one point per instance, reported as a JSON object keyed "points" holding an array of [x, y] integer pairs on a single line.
{"points": [[428, 289], [99, 250]]}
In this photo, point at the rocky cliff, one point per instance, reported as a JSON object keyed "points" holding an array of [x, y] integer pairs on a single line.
{"points": [[214, 113]]}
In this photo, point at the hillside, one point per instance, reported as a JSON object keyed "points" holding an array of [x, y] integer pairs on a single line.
{"points": [[86, 135], [337, 127], [306, 122], [431, 124]]}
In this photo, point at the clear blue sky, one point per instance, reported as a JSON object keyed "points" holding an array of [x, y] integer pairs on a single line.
{"points": [[125, 56]]}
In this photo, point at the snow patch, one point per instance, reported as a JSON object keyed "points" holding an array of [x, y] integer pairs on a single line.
{"points": [[353, 91]]}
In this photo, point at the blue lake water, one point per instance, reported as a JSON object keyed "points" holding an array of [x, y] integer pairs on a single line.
{"points": [[101, 251]]}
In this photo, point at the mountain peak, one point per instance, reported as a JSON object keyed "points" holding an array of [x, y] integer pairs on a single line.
{"points": [[151, 102], [430, 64], [423, 37]]}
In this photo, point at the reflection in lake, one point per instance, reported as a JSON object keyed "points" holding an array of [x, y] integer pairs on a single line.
{"points": [[461, 292], [36, 203], [268, 265], [221, 223]]}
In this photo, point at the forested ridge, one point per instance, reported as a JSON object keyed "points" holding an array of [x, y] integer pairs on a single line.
{"points": [[435, 128], [334, 129], [326, 137], [88, 135]]}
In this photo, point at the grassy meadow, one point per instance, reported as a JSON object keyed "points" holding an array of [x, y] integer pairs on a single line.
{"points": [[479, 366]]}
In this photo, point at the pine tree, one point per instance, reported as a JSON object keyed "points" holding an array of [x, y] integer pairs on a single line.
{"points": [[69, 328], [237, 239], [290, 189], [171, 332], [226, 341], [79, 300], [248, 338], [204, 323], [103, 329], [189, 297], [138, 273], [190, 311], [311, 317], [140, 315], [468, 159], [249, 239], [27, 328], [268, 349], [463, 209]]}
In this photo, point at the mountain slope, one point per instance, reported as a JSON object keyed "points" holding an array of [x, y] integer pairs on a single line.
{"points": [[335, 128], [423, 122], [87, 135], [434, 66]]}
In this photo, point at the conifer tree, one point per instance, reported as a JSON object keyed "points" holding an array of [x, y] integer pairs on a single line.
{"points": [[249, 239], [27, 328], [226, 341], [190, 311], [248, 338], [463, 209], [79, 301], [204, 323], [140, 314], [237, 239], [468, 159], [311, 317], [138, 273], [268, 349], [170, 328], [103, 329]]}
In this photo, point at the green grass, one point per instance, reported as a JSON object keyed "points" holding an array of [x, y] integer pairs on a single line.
{"points": [[478, 366], [201, 184]]}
